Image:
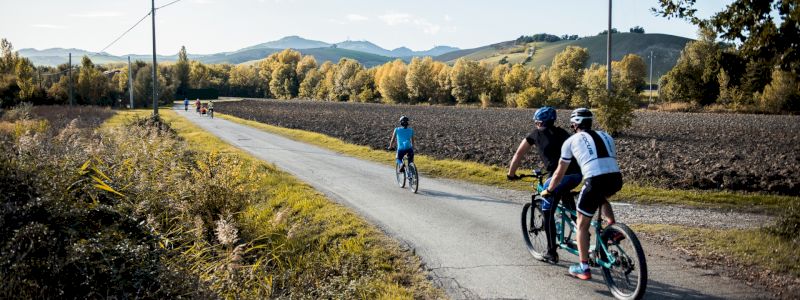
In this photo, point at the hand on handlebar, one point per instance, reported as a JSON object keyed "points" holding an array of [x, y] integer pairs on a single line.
{"points": [[545, 193]]}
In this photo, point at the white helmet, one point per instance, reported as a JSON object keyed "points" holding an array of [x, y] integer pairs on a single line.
{"points": [[580, 115]]}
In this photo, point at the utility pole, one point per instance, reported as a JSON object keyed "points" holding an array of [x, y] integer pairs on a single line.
{"points": [[155, 67], [130, 81], [608, 52], [69, 73], [651, 77]]}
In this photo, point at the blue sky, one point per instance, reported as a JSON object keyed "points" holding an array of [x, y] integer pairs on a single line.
{"points": [[210, 26]]}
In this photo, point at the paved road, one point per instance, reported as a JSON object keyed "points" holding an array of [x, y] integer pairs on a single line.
{"points": [[468, 238]]}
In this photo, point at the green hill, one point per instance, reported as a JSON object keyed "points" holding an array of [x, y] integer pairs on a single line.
{"points": [[666, 48]]}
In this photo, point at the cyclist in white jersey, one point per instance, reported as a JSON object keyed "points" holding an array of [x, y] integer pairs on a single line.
{"points": [[597, 157]]}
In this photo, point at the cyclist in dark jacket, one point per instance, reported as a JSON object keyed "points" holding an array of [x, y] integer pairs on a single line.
{"points": [[548, 139]]}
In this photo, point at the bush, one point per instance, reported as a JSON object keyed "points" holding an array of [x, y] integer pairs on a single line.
{"points": [[615, 113], [782, 94], [531, 97], [788, 225]]}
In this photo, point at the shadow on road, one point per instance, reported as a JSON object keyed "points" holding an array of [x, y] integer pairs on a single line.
{"points": [[446, 195]]}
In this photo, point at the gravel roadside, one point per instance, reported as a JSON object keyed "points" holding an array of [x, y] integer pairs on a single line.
{"points": [[632, 213]]}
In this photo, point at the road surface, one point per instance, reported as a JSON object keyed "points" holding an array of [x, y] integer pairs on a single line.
{"points": [[467, 236]]}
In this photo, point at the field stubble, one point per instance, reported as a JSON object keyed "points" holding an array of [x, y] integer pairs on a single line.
{"points": [[752, 153]]}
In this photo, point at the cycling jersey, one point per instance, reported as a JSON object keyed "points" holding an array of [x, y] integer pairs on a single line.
{"points": [[594, 151], [404, 135], [548, 142]]}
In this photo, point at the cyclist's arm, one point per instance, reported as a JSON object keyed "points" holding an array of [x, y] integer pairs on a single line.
{"points": [[563, 164], [521, 150], [413, 142], [558, 175]]}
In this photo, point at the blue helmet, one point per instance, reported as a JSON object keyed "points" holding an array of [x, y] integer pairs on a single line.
{"points": [[546, 115]]}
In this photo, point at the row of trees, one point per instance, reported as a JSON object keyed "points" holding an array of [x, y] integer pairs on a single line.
{"points": [[709, 72]]}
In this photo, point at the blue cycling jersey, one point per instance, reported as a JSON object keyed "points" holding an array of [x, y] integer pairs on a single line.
{"points": [[404, 138]]}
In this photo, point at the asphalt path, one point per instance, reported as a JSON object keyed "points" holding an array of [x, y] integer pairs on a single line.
{"points": [[468, 237]]}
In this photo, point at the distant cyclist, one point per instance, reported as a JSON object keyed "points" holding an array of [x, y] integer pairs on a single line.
{"points": [[186, 104], [405, 142], [548, 139], [197, 105], [211, 108], [595, 153]]}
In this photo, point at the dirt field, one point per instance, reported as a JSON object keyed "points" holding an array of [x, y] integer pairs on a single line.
{"points": [[758, 153]]}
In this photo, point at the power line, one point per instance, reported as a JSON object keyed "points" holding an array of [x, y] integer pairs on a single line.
{"points": [[168, 4], [126, 32]]}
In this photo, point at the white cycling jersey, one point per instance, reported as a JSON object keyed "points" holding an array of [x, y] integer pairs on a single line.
{"points": [[594, 151]]}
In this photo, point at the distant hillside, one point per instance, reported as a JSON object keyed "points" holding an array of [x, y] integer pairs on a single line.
{"points": [[666, 48], [294, 42], [365, 52]]}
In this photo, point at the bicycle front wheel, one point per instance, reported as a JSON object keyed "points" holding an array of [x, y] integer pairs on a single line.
{"points": [[400, 176], [627, 276], [533, 229], [413, 177]]}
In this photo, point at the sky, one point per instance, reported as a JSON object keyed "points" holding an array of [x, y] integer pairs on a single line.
{"points": [[211, 26]]}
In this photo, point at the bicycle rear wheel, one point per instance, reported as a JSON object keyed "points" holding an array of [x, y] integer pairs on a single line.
{"points": [[400, 176], [533, 229], [627, 277], [413, 177]]}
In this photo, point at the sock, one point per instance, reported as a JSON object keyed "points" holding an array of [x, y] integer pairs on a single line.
{"points": [[585, 265]]}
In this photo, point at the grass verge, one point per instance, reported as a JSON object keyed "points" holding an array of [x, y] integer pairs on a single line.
{"points": [[495, 176], [750, 254], [319, 249]]}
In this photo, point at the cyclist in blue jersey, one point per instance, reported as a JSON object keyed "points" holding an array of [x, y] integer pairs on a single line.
{"points": [[186, 104], [405, 142]]}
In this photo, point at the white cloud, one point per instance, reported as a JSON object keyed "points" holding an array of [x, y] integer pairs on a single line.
{"points": [[97, 14], [447, 18], [48, 26], [393, 19], [203, 1], [356, 17]]}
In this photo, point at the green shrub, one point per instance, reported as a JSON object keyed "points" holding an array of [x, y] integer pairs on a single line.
{"points": [[531, 97]]}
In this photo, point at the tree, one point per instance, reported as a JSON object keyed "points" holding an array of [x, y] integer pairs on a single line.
{"points": [[327, 72], [24, 71], [444, 86], [306, 64], [283, 84], [566, 72], [181, 70], [343, 88], [604, 32], [310, 84], [782, 94], [243, 81], [694, 77], [496, 89], [515, 79], [530, 98], [750, 23], [391, 79], [420, 79], [637, 29], [92, 85], [468, 79], [632, 71], [364, 85]]}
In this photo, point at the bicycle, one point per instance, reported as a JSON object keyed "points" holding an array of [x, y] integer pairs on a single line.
{"points": [[409, 174], [616, 249]]}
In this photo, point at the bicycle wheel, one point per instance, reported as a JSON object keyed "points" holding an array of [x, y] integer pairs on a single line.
{"points": [[533, 229], [413, 177], [400, 176], [627, 277]]}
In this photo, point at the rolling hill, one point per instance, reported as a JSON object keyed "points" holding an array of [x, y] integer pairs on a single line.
{"points": [[666, 49]]}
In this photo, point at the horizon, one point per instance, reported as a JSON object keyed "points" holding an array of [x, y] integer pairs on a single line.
{"points": [[185, 23]]}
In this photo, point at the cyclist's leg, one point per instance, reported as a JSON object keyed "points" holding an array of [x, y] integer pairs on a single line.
{"points": [[549, 205], [399, 158], [613, 183], [589, 201]]}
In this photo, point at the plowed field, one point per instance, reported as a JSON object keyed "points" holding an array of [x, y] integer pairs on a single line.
{"points": [[759, 153]]}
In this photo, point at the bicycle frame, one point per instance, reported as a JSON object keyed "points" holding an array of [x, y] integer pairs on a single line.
{"points": [[566, 219]]}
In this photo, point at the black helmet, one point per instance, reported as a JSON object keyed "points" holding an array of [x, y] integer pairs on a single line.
{"points": [[582, 117], [404, 121]]}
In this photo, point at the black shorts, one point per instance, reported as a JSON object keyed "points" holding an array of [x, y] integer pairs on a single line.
{"points": [[596, 191]]}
